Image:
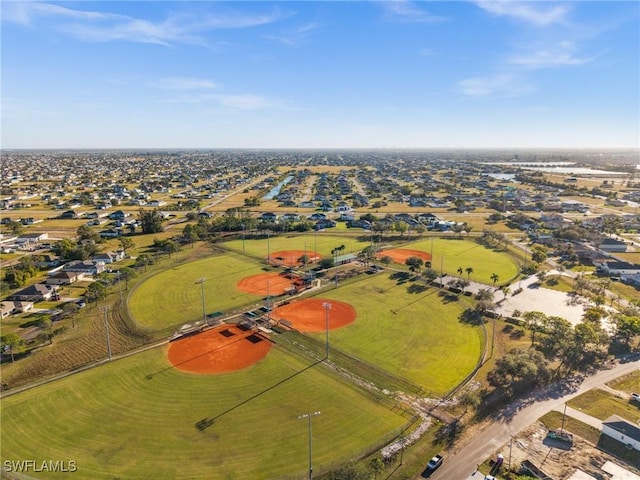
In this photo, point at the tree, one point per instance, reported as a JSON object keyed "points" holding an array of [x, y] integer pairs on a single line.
{"points": [[304, 260], [150, 220], [414, 264], [494, 278], [127, 273], [538, 255], [44, 324], [535, 322], [144, 260], [460, 271], [401, 227], [15, 228], [386, 260], [430, 274], [96, 291], [469, 398], [126, 243], [12, 343], [541, 275], [627, 326], [484, 302], [469, 271], [326, 263], [520, 369]]}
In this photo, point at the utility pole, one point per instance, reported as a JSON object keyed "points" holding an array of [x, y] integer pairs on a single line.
{"points": [[105, 309]]}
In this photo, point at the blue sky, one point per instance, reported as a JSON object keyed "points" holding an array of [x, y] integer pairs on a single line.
{"points": [[477, 74]]}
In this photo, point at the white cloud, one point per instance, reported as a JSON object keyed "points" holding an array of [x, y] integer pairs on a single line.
{"points": [[244, 101], [295, 37], [104, 27], [184, 83], [427, 52], [406, 11], [540, 14], [561, 54], [500, 85]]}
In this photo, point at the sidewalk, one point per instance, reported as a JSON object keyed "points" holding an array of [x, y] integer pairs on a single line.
{"points": [[583, 417]]}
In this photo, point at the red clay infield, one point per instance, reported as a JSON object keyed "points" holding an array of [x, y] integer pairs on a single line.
{"points": [[278, 283], [310, 316], [399, 255], [289, 258], [223, 349]]}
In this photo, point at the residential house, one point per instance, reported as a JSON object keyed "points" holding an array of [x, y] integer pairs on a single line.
{"points": [[268, 217], [623, 431], [31, 238], [9, 307], [109, 257], [48, 261], [63, 278], [613, 245], [88, 267], [633, 280], [614, 267], [39, 292]]}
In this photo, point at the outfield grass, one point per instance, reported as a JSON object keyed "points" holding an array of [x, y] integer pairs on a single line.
{"points": [[453, 253], [136, 418], [324, 242], [417, 336], [172, 297]]}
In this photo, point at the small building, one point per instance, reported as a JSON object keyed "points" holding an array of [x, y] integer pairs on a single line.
{"points": [[63, 278], [39, 292], [87, 267], [346, 258], [623, 431], [613, 267], [613, 245]]}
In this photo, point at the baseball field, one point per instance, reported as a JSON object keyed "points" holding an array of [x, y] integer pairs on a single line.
{"points": [[225, 403]]}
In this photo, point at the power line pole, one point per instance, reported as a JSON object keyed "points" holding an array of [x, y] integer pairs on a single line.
{"points": [[105, 309], [327, 307]]}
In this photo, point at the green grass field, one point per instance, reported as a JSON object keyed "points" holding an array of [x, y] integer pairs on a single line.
{"points": [[324, 242], [451, 254], [417, 336], [172, 297], [136, 419]]}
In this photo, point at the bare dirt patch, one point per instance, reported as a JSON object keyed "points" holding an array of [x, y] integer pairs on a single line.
{"points": [[400, 255], [310, 315], [290, 258], [550, 456], [220, 350], [268, 283]]}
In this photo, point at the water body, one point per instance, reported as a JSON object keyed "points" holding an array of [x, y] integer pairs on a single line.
{"points": [[276, 190], [501, 176], [558, 167]]}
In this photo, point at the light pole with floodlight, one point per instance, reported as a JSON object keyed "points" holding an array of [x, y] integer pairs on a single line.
{"points": [[327, 307], [308, 417], [204, 311]]}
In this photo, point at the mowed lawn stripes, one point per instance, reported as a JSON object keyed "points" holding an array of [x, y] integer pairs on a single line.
{"points": [[417, 336], [137, 418]]}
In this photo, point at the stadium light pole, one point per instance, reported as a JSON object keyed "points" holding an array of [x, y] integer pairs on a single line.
{"points": [[268, 250], [327, 307], [243, 238], [204, 311], [308, 417]]}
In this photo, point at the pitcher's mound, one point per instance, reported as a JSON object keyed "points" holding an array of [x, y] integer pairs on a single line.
{"points": [[220, 350], [400, 255], [310, 315]]}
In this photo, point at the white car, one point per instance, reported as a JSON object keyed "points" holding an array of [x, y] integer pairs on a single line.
{"points": [[636, 397]]}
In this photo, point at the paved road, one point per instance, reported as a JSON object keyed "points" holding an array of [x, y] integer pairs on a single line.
{"points": [[462, 462]]}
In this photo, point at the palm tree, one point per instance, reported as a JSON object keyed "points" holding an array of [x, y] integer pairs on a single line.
{"points": [[469, 271], [494, 278], [460, 271]]}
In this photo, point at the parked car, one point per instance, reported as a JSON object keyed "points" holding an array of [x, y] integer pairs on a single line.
{"points": [[636, 397], [435, 462]]}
